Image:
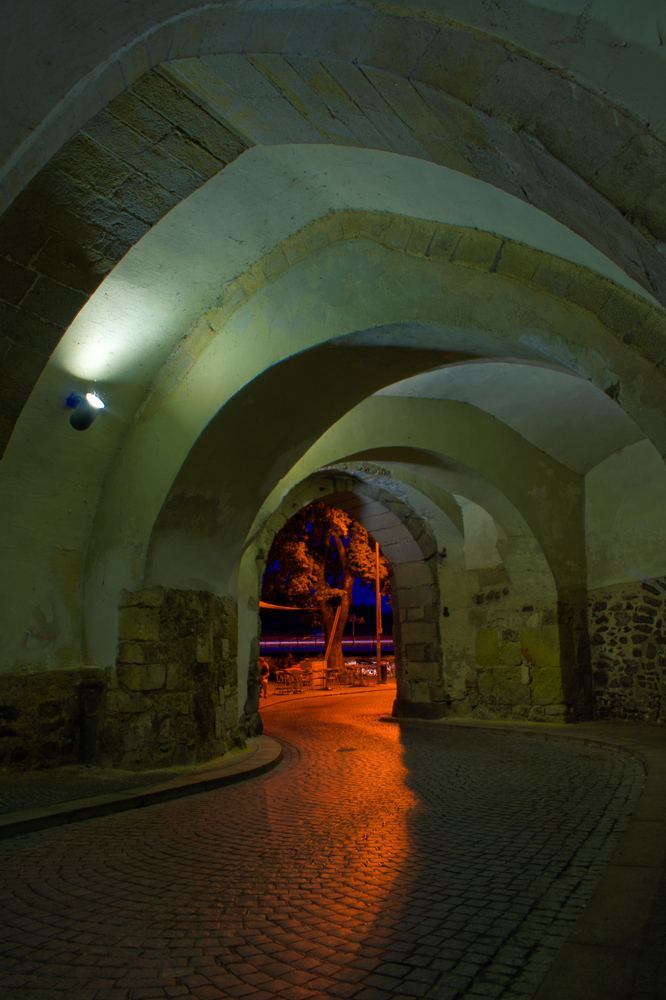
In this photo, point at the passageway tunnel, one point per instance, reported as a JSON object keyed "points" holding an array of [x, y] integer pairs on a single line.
{"points": [[296, 258]]}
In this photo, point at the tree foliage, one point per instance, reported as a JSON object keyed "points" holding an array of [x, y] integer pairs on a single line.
{"points": [[313, 562]]}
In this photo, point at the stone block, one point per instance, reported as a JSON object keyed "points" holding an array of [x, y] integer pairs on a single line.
{"points": [[87, 162], [180, 703], [503, 686], [131, 652], [515, 90], [15, 281], [62, 260], [421, 238], [547, 686], [414, 597], [589, 291], [623, 313], [424, 671], [53, 301], [418, 632], [555, 275], [231, 710], [418, 691], [407, 103], [415, 574], [477, 617], [517, 261], [142, 677], [138, 623], [204, 652], [401, 550], [510, 655], [459, 63], [478, 249], [219, 722], [184, 649], [654, 214], [541, 648], [486, 648], [127, 702], [144, 198], [176, 677]]}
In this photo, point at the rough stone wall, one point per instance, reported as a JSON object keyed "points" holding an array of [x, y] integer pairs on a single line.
{"points": [[627, 624], [174, 698], [128, 166], [47, 718], [502, 656], [416, 640]]}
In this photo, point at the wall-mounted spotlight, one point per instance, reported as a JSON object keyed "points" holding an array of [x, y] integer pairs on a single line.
{"points": [[84, 409]]}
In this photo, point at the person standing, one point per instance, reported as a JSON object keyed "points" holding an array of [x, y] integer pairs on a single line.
{"points": [[264, 671]]}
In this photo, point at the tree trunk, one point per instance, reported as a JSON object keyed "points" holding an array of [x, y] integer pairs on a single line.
{"points": [[336, 658]]}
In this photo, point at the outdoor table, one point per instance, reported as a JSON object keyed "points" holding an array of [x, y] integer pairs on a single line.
{"points": [[295, 675], [354, 675]]}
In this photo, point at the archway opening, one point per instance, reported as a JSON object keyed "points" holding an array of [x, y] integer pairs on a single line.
{"points": [[318, 561]]}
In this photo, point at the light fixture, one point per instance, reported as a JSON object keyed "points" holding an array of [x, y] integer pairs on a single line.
{"points": [[84, 409]]}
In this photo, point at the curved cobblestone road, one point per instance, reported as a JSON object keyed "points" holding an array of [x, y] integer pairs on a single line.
{"points": [[375, 862]]}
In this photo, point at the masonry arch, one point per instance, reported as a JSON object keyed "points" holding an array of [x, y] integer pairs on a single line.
{"points": [[172, 193], [171, 104], [409, 544], [164, 443]]}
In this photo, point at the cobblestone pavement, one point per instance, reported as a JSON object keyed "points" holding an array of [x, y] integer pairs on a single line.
{"points": [[76, 781], [377, 862]]}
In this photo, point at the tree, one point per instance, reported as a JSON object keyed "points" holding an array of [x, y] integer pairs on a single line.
{"points": [[313, 562]]}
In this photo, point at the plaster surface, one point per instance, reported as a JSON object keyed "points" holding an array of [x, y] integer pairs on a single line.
{"points": [[625, 519], [567, 417]]}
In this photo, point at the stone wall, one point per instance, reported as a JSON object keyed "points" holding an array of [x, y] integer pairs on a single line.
{"points": [[627, 625], [502, 655], [48, 718], [174, 698]]}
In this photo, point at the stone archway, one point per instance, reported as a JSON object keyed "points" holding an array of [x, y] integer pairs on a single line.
{"points": [[408, 543]]}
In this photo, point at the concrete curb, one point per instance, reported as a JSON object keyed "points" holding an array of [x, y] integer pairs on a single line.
{"points": [[602, 954], [261, 756]]}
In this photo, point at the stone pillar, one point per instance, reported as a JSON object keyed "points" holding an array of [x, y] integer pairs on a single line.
{"points": [[420, 684], [174, 699]]}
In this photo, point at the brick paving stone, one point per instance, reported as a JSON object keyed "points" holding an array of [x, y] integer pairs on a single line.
{"points": [[443, 992], [296, 993], [434, 861], [321, 984], [344, 990], [243, 990], [381, 982], [413, 988], [350, 975], [371, 993]]}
